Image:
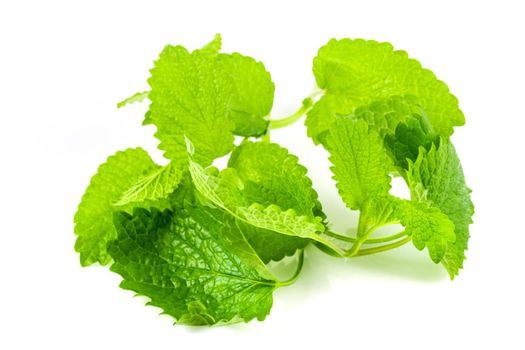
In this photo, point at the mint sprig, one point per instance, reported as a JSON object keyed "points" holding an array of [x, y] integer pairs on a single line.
{"points": [[197, 240]]}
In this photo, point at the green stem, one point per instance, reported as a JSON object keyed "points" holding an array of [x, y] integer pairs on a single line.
{"points": [[368, 241], [383, 248], [362, 235], [297, 272], [307, 104], [386, 238], [281, 123], [340, 236]]}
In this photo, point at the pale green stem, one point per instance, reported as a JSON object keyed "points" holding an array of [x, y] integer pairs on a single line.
{"points": [[281, 123], [383, 247], [307, 105], [297, 272], [368, 241], [362, 235]]}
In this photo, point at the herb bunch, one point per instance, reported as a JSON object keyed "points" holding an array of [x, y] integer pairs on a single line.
{"points": [[197, 240]]}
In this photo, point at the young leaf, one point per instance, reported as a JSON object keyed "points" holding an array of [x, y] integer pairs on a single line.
{"points": [[187, 263], [93, 220], [385, 115], [428, 227], [213, 47], [360, 163], [138, 97], [409, 136], [436, 177], [354, 73]]}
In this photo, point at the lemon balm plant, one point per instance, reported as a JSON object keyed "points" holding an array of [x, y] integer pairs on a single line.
{"points": [[196, 240]]}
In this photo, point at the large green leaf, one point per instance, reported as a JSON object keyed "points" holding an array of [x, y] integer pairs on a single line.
{"points": [[207, 96], [271, 175], [192, 263], [354, 73]]}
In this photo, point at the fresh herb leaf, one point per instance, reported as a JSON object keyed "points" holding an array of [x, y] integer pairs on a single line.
{"points": [[354, 73], [93, 220], [224, 190], [437, 178], [184, 262], [360, 163], [428, 227], [196, 239], [207, 97]]}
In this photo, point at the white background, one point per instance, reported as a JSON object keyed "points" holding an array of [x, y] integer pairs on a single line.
{"points": [[63, 66]]}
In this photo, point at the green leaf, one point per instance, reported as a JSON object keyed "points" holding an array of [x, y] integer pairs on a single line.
{"points": [[276, 219], [190, 97], [224, 190], [93, 220], [272, 246], [437, 178], [360, 163], [267, 188], [252, 95], [410, 135], [187, 263], [185, 195], [207, 97], [379, 209], [138, 97], [354, 73], [428, 227], [153, 186], [272, 176], [385, 115]]}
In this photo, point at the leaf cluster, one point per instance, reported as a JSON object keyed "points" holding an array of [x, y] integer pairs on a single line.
{"points": [[198, 240]]}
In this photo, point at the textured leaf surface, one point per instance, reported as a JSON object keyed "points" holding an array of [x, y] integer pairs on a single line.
{"points": [[206, 97], [253, 194], [436, 177], [354, 73], [428, 227], [93, 220], [385, 115], [271, 175], [158, 184], [188, 264], [286, 222], [189, 97], [252, 95], [378, 209], [224, 190], [410, 135], [360, 163]]}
